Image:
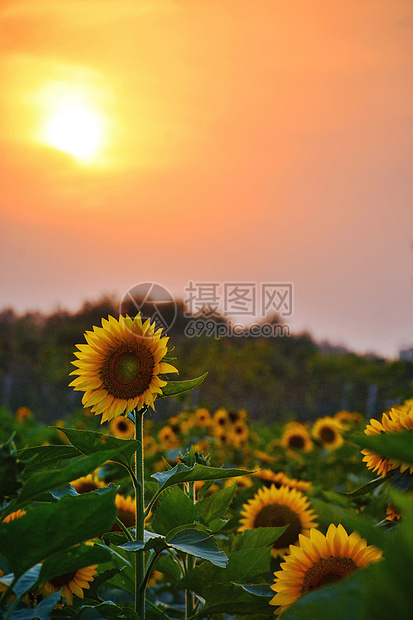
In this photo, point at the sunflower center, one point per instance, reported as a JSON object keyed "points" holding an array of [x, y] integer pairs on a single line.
{"points": [[327, 434], [128, 370], [296, 441], [122, 426], [62, 580], [278, 515], [327, 571]]}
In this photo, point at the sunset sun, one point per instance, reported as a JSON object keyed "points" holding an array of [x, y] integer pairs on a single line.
{"points": [[76, 130]]}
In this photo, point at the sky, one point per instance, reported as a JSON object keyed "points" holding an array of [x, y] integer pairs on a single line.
{"points": [[236, 141]]}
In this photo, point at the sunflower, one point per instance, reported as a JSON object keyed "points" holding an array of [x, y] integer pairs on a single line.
{"points": [[122, 427], [239, 433], [392, 514], [202, 417], [71, 583], [119, 367], [327, 431], [349, 419], [296, 437], [318, 560], [168, 438], [126, 512], [272, 507], [23, 413], [14, 515], [264, 457], [280, 479], [220, 419], [87, 483], [397, 420]]}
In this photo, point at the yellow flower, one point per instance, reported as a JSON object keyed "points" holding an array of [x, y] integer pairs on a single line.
{"points": [[202, 417], [126, 511], [118, 369], [392, 513], [327, 431], [281, 479], [14, 515], [318, 560], [122, 427], [272, 507], [71, 583], [349, 419], [239, 433], [296, 437], [23, 413], [220, 419], [397, 420], [87, 483], [168, 438]]}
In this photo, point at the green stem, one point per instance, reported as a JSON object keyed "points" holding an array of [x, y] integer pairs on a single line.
{"points": [[140, 517], [124, 529], [190, 563]]}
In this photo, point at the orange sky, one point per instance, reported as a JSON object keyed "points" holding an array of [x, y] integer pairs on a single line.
{"points": [[243, 140]]}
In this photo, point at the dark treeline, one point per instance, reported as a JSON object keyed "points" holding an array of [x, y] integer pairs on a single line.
{"points": [[272, 377]]}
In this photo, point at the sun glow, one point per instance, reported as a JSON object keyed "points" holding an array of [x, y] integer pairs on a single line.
{"points": [[76, 130]]}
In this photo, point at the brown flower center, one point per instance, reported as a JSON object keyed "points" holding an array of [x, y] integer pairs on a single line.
{"points": [[327, 571], [128, 370], [327, 434], [62, 580], [278, 515], [122, 426], [296, 441]]}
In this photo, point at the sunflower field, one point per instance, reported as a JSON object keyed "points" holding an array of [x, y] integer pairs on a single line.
{"points": [[112, 515]]}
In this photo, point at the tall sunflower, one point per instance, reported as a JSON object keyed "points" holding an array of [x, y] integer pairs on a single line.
{"points": [[327, 431], [318, 560], [272, 507], [88, 483], [296, 437], [397, 420], [118, 369], [71, 583], [281, 479]]}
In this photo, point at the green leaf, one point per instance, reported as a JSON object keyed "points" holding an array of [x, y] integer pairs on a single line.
{"points": [[341, 601], [49, 528], [256, 538], [198, 543], [42, 611], [233, 599], [182, 473], [214, 507], [106, 611], [90, 442], [74, 558], [168, 565], [369, 486], [397, 446], [10, 470], [45, 457], [173, 509], [388, 591], [172, 388], [48, 480]]}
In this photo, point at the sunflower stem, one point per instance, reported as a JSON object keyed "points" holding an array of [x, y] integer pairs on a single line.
{"points": [[190, 562], [140, 517]]}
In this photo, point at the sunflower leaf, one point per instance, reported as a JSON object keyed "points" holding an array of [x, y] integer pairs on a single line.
{"points": [[397, 446], [233, 599], [369, 486], [90, 442], [198, 543], [172, 388], [71, 520]]}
